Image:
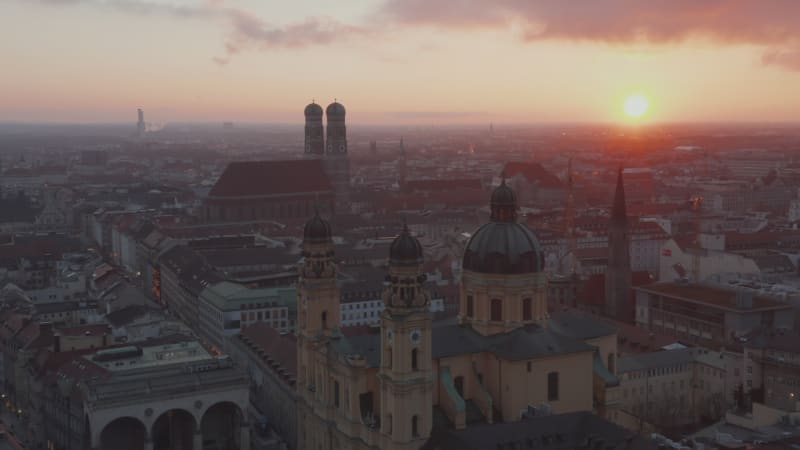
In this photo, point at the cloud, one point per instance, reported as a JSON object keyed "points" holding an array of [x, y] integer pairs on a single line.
{"points": [[245, 30], [787, 59], [766, 23], [248, 29], [613, 21], [769, 24], [141, 7]]}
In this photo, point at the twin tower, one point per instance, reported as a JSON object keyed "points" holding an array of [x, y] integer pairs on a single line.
{"points": [[332, 149], [315, 132]]}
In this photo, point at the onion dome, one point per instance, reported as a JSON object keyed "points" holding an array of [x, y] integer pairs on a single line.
{"points": [[317, 230], [335, 109], [313, 110], [503, 246], [405, 250]]}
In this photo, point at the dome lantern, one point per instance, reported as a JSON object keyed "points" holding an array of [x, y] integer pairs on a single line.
{"points": [[317, 230]]}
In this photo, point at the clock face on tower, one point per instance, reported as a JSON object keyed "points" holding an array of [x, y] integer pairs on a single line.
{"points": [[415, 336]]}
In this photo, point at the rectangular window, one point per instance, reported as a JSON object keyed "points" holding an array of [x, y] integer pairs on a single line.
{"points": [[336, 394], [470, 306], [496, 310], [527, 309], [552, 386]]}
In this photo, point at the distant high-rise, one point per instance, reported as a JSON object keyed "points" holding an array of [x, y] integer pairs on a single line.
{"points": [[315, 133], [140, 127], [618, 273]]}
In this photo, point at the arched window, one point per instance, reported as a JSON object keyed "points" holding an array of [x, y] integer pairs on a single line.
{"points": [[414, 359], [470, 306], [497, 310], [414, 426], [324, 320], [552, 386], [612, 363], [527, 309]]}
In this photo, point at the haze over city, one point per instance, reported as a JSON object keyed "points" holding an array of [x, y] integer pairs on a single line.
{"points": [[399, 225], [399, 61]]}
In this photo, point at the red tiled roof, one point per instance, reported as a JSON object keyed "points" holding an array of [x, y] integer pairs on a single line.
{"points": [[533, 172], [280, 347], [81, 368], [256, 178]]}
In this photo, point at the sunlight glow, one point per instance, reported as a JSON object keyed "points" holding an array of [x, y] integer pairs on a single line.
{"points": [[636, 106]]}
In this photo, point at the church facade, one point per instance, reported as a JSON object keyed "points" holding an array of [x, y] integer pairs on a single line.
{"points": [[502, 360], [288, 190]]}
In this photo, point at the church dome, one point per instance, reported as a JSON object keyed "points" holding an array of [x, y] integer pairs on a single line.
{"points": [[503, 246], [405, 250], [317, 230], [335, 109], [313, 110]]}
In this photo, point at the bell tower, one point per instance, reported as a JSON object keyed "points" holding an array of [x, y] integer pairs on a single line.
{"points": [[318, 309], [337, 163], [317, 289], [314, 132], [405, 375]]}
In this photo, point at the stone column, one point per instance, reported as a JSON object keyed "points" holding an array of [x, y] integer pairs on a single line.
{"points": [[198, 441], [148, 444], [245, 437]]}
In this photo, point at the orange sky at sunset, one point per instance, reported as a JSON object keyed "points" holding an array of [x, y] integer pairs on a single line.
{"points": [[399, 61]]}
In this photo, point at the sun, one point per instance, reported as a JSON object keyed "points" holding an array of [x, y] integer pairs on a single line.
{"points": [[636, 106]]}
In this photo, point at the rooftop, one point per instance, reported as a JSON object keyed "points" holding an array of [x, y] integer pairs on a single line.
{"points": [[580, 430], [228, 296], [713, 296], [277, 347], [669, 358], [260, 178]]}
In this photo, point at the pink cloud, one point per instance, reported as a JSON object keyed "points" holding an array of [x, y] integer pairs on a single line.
{"points": [[787, 59], [767, 23], [613, 21]]}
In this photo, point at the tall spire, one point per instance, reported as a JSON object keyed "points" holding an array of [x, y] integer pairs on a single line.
{"points": [[619, 213], [570, 211]]}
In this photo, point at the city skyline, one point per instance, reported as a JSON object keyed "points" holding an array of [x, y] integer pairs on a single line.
{"points": [[402, 62]]}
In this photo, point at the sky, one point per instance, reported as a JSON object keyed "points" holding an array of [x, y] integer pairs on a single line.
{"points": [[400, 61]]}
